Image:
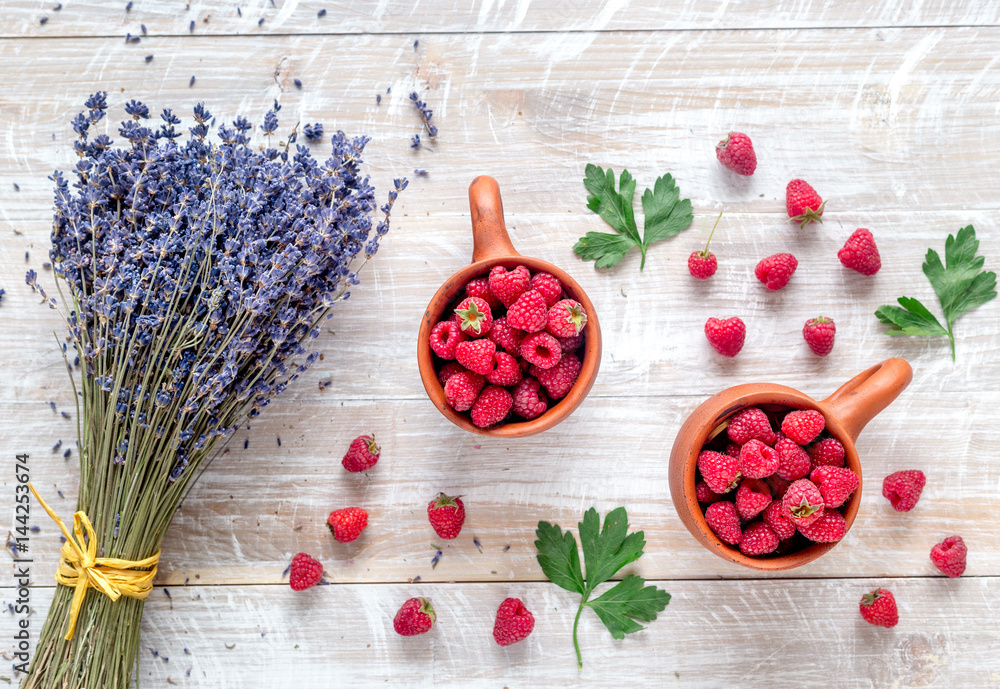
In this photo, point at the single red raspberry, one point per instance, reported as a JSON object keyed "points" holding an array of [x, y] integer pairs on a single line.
{"points": [[416, 616], [461, 390], [775, 271], [362, 455], [803, 502], [445, 337], [793, 461], [775, 517], [347, 524], [305, 572], [727, 336], [721, 472], [541, 349], [752, 497], [835, 484], [778, 485], [702, 264], [491, 407], [829, 528], [819, 333], [506, 370], [758, 539], [505, 336], [529, 400], [803, 204], [803, 425], [724, 521], [879, 608], [559, 379], [446, 514], [949, 556], [737, 154], [513, 622], [528, 313], [757, 460], [476, 355], [474, 316], [827, 452], [480, 287], [448, 370], [570, 344], [750, 423], [566, 318], [705, 494], [903, 489], [860, 253], [508, 286], [548, 286]]}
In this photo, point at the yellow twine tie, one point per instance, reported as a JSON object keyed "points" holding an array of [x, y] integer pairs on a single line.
{"points": [[80, 568]]}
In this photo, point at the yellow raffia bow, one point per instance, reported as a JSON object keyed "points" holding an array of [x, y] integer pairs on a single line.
{"points": [[80, 568]]}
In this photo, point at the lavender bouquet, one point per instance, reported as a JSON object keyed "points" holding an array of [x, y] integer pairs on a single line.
{"points": [[196, 273]]}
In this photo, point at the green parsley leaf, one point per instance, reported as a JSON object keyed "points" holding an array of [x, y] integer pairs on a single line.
{"points": [[666, 214], [958, 283], [605, 551]]}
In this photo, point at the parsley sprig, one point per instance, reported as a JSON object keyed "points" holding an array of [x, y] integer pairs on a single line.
{"points": [[605, 551], [958, 283], [666, 214]]}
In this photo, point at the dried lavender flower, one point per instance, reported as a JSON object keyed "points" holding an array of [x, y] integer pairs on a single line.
{"points": [[43, 20], [422, 173], [321, 13], [425, 115], [378, 99], [149, 58], [191, 83], [298, 82], [128, 6], [313, 132], [191, 27], [415, 141]]}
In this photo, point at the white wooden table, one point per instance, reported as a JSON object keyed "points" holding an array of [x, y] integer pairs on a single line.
{"points": [[889, 109]]}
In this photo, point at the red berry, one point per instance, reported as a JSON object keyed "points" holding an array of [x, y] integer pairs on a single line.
{"points": [[949, 556], [903, 489], [448, 370], [416, 616], [528, 313], [505, 336], [829, 528], [737, 154], [491, 407], [476, 355], [529, 400], [879, 608], [570, 344], [548, 286], [566, 318], [305, 572], [506, 370], [702, 264], [733, 450], [705, 494], [803, 502], [757, 460], [721, 472], [723, 519], [508, 286], [750, 423], [727, 336], [362, 455], [860, 253], [802, 426], [347, 524], [559, 379], [778, 485], [445, 337], [480, 287], [446, 514], [819, 333], [513, 622], [803, 204], [793, 461], [827, 452], [775, 517], [541, 349], [752, 497], [835, 484], [775, 271], [758, 539], [474, 316], [461, 390]]}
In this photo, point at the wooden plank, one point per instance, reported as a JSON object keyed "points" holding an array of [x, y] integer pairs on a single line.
{"points": [[713, 634]]}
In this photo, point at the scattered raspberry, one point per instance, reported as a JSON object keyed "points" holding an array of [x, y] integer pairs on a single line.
{"points": [[757, 460], [758, 539], [461, 390], [529, 400], [305, 572], [508, 286], [362, 455], [803, 502], [528, 313], [727, 336], [949, 556], [860, 253], [736, 153], [702, 264], [829, 528], [448, 370], [819, 333], [879, 608], [559, 379], [566, 318], [491, 407], [474, 316], [445, 337], [793, 461], [548, 286], [724, 521], [416, 616], [505, 336], [778, 485], [752, 497], [570, 344], [775, 271], [705, 494], [835, 484], [721, 472], [476, 355], [541, 349], [750, 424], [480, 287], [347, 524], [446, 515], [827, 452], [803, 204], [802, 426], [903, 489], [506, 370], [775, 517], [513, 622]]}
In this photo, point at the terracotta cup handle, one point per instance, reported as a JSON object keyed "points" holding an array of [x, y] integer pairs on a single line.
{"points": [[860, 399], [489, 233]]}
